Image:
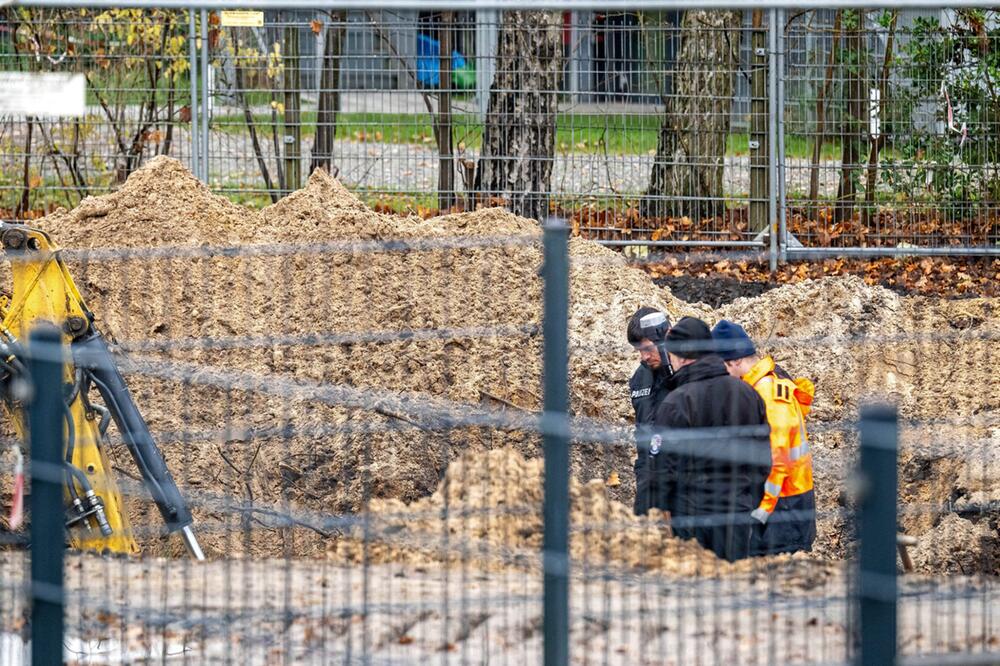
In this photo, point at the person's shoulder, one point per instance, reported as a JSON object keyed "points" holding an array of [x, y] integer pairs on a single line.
{"points": [[677, 394], [738, 386], [780, 372], [671, 400], [642, 376]]}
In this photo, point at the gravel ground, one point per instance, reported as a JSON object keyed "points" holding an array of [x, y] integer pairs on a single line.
{"points": [[414, 168], [303, 612], [400, 167]]}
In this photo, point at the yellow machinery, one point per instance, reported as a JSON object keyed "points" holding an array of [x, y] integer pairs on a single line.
{"points": [[43, 290]]}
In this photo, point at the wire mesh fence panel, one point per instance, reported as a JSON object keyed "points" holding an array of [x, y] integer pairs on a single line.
{"points": [[650, 126], [138, 102], [584, 129], [349, 401], [888, 117], [857, 343], [578, 130], [353, 402], [309, 389]]}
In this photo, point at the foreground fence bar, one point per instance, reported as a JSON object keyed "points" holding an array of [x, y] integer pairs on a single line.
{"points": [[45, 421], [556, 443], [877, 592]]}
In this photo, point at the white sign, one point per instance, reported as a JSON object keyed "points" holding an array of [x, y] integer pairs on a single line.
{"points": [[242, 18], [42, 94], [874, 111]]}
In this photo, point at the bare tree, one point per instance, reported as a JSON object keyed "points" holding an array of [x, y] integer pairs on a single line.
{"points": [[852, 129], [686, 178], [292, 138], [441, 119], [329, 95], [877, 142], [240, 91], [519, 137], [443, 127]]}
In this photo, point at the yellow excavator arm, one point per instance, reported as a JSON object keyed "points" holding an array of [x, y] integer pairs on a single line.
{"points": [[43, 290]]}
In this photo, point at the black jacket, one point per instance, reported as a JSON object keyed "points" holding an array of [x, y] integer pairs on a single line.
{"points": [[717, 455], [647, 388]]}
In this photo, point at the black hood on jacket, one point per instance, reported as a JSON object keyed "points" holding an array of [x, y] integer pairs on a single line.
{"points": [[705, 367]]}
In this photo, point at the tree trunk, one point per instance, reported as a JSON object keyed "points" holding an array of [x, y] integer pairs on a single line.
{"points": [[877, 142], [24, 203], [169, 135], [258, 151], [293, 115], [853, 124], [446, 158], [821, 115], [519, 137], [329, 96], [686, 178]]}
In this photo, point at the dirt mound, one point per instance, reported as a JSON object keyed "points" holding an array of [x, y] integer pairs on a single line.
{"points": [[394, 331], [931, 357], [958, 546], [820, 329], [159, 204], [860, 342], [488, 508], [325, 211], [324, 381]]}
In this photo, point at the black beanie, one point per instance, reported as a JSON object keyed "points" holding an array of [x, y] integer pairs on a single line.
{"points": [[690, 338]]}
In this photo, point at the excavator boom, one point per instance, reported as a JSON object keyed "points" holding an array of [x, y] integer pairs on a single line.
{"points": [[43, 290]]}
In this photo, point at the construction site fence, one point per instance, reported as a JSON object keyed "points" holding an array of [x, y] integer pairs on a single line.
{"points": [[795, 133], [401, 448], [390, 516]]}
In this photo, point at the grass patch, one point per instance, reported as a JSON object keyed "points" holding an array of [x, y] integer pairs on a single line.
{"points": [[796, 147], [575, 132]]}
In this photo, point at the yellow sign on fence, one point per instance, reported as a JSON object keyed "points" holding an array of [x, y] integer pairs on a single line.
{"points": [[242, 18]]}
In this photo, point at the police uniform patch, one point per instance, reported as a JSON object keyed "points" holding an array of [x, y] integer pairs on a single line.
{"points": [[654, 444]]}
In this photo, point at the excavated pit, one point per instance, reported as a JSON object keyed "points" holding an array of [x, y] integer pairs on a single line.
{"points": [[278, 382]]}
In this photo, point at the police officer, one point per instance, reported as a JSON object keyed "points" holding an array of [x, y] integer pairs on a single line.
{"points": [[650, 383]]}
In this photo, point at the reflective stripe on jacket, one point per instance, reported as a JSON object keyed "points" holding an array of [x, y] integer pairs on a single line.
{"points": [[787, 403]]}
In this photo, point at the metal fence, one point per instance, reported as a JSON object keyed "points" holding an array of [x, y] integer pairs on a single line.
{"points": [[651, 126], [360, 422], [408, 439]]}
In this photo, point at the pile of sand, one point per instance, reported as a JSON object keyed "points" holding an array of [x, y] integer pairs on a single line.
{"points": [[234, 357], [931, 357], [161, 204], [488, 509], [958, 546], [472, 314]]}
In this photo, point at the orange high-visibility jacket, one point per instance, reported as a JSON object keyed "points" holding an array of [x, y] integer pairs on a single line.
{"points": [[787, 404]]}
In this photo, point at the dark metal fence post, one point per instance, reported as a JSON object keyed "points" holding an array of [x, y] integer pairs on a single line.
{"points": [[877, 534], [45, 422], [555, 556]]}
